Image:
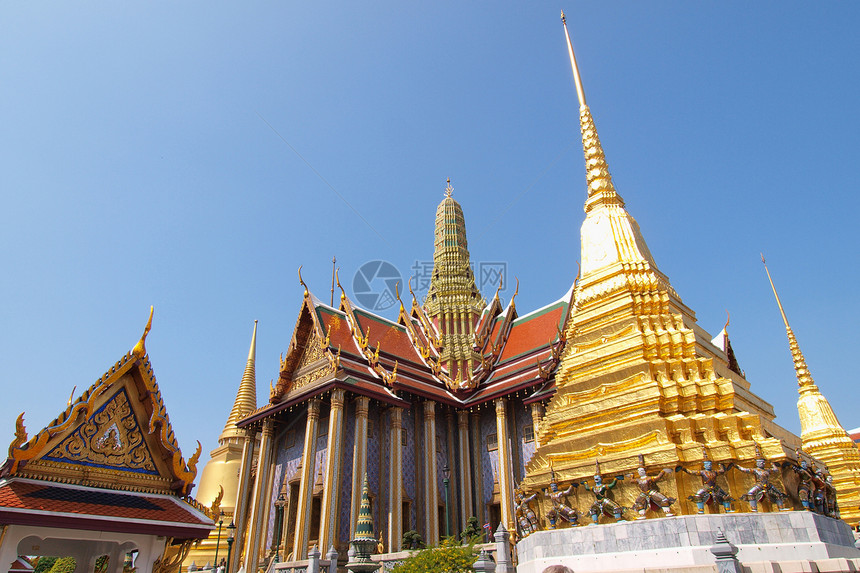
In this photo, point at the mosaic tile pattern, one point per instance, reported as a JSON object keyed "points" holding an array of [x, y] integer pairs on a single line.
{"points": [[489, 460], [523, 418], [373, 460], [346, 472], [409, 454]]}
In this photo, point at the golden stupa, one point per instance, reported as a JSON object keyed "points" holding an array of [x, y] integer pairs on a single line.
{"points": [[638, 375], [219, 482], [823, 436]]}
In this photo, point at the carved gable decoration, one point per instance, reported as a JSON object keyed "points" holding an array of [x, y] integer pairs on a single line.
{"points": [[111, 438], [312, 354], [314, 363], [115, 435]]}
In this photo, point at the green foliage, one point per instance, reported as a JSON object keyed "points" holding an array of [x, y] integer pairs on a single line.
{"points": [[102, 564], [44, 564], [412, 540], [472, 534], [449, 558], [63, 565]]}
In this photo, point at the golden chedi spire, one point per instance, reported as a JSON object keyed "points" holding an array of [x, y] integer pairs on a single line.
{"points": [[246, 397], [638, 375], [222, 469], [823, 436], [453, 301]]}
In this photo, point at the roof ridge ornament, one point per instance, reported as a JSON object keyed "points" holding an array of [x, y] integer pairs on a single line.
{"points": [[139, 349], [448, 189], [301, 281]]}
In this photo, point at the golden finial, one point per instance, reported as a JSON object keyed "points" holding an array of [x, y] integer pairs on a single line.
{"points": [[448, 189], [72, 395], [577, 80], [414, 300], [397, 295], [139, 349], [516, 290], [333, 262], [778, 302], [301, 281], [728, 319], [499, 288], [337, 282], [20, 434], [192, 462]]}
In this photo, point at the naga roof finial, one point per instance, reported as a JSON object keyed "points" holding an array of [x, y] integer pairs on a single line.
{"points": [[301, 281], [139, 349], [340, 286]]}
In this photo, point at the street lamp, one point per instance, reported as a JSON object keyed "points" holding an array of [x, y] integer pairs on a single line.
{"points": [[231, 529], [446, 478], [218, 542], [279, 517]]}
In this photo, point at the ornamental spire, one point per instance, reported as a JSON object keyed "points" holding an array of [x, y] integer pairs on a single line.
{"points": [[246, 397], [804, 378], [601, 190], [822, 435]]}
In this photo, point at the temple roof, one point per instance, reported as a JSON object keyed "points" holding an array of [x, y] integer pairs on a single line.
{"points": [[116, 435], [398, 362]]}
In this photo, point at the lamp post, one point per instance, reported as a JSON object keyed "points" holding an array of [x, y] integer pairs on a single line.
{"points": [[446, 478], [279, 517], [218, 542], [230, 530]]}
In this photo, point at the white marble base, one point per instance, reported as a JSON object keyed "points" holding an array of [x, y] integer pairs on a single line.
{"points": [[685, 541]]}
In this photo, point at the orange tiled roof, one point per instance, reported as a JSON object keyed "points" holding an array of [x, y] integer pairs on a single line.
{"points": [[35, 502]]}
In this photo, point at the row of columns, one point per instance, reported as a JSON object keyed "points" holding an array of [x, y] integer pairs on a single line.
{"points": [[252, 507]]}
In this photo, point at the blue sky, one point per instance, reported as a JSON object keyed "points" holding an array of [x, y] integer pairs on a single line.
{"points": [[150, 155]]}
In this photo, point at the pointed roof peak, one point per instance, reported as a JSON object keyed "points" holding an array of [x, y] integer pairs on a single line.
{"points": [[576, 77], [246, 397], [448, 189], [775, 294], [804, 378]]}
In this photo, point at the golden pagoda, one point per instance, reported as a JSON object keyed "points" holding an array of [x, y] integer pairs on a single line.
{"points": [[453, 302], [823, 436], [219, 482], [638, 375]]}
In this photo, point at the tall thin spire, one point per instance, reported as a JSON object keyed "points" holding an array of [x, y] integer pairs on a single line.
{"points": [[246, 397], [601, 190], [820, 431], [804, 378]]}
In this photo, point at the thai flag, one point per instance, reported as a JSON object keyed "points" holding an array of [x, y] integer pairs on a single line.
{"points": [[487, 525]]}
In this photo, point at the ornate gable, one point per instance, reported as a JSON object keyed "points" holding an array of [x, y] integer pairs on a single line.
{"points": [[110, 439], [115, 435]]}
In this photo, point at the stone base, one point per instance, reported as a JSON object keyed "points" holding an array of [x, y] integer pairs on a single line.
{"points": [[684, 542]]}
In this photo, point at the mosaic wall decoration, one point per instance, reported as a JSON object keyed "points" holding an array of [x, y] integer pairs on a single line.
{"points": [[489, 459], [346, 472]]}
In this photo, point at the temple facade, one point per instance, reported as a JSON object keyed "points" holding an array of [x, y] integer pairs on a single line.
{"points": [[463, 407]]}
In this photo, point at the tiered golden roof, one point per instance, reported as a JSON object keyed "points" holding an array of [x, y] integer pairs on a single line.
{"points": [[823, 436], [453, 301], [638, 375]]}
